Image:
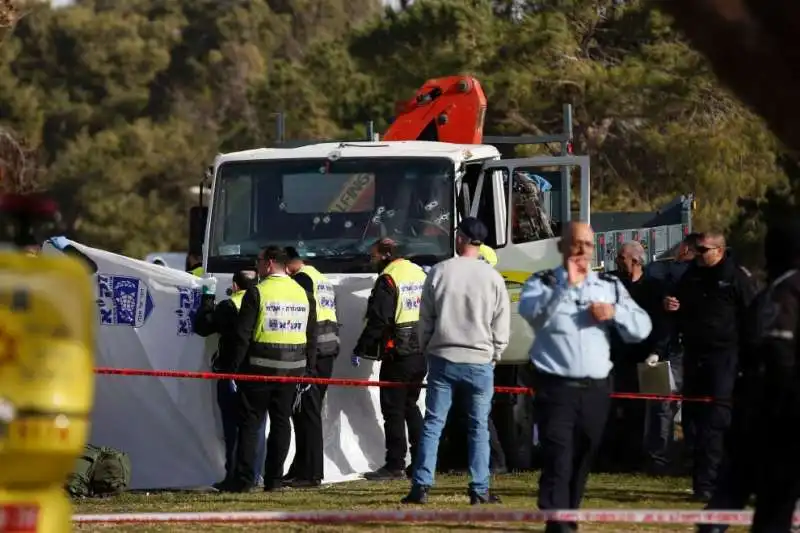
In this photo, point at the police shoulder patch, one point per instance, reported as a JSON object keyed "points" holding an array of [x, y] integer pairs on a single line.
{"points": [[605, 276], [548, 277]]}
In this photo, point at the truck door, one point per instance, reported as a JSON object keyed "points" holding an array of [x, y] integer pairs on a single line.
{"points": [[524, 202]]}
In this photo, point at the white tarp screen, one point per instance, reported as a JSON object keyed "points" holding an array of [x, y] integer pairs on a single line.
{"points": [[171, 427]]}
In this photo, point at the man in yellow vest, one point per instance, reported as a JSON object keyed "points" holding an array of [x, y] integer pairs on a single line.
{"points": [[276, 335], [390, 336], [212, 318], [194, 264], [307, 468]]}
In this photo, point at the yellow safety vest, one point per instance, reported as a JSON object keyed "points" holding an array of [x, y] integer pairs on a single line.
{"points": [[197, 271], [283, 316], [408, 278], [237, 298], [324, 294], [487, 254]]}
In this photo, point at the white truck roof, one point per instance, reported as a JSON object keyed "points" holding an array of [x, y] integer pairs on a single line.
{"points": [[458, 153]]}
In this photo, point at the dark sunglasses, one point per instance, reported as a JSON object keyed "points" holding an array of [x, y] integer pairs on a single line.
{"points": [[704, 249]]}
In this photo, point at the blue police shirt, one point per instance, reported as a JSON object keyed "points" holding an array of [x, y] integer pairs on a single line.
{"points": [[568, 341]]}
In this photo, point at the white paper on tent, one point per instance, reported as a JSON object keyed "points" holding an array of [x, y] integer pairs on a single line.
{"points": [[656, 378]]}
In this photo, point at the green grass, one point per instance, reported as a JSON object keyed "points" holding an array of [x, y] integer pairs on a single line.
{"points": [[518, 491]]}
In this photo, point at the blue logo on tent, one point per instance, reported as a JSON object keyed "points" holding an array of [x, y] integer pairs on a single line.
{"points": [[188, 303], [123, 301]]}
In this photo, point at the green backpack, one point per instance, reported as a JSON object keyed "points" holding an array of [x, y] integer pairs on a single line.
{"points": [[99, 471]]}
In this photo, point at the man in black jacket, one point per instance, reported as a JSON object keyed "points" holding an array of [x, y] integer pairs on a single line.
{"points": [[276, 335], [625, 430], [778, 485], [390, 335], [221, 319], [710, 303]]}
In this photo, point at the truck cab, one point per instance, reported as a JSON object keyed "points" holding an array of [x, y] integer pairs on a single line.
{"points": [[332, 201]]}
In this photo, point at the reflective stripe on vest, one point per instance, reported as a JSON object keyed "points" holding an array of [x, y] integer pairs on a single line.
{"points": [[409, 279], [327, 325], [237, 298], [487, 254], [324, 294], [281, 325], [197, 271]]}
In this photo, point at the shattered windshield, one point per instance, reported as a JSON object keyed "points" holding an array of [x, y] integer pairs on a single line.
{"points": [[332, 211]]}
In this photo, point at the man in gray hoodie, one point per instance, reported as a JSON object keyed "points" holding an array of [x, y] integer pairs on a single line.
{"points": [[464, 327]]}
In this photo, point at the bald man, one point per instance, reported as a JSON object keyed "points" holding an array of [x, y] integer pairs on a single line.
{"points": [[710, 304], [622, 448], [572, 310]]}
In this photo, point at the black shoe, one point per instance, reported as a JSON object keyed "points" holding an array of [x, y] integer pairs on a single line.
{"points": [[417, 495], [385, 474], [482, 499], [274, 486], [711, 528], [560, 527], [234, 487], [303, 483]]}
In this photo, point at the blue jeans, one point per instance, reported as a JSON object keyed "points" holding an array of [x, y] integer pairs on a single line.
{"points": [[227, 399], [660, 420], [476, 382]]}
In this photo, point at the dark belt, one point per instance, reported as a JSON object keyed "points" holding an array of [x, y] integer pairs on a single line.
{"points": [[542, 378]]}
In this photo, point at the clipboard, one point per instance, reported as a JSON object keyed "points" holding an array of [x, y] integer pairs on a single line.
{"points": [[656, 379]]}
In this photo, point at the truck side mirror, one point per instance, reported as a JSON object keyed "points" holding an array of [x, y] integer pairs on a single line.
{"points": [[197, 227]]}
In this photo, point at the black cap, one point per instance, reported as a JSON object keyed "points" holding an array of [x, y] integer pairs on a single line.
{"points": [[244, 280], [474, 230]]}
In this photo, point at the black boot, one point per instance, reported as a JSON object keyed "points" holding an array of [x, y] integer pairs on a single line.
{"points": [[417, 495]]}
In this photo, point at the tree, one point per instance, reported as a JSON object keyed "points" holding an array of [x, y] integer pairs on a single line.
{"points": [[127, 102]]}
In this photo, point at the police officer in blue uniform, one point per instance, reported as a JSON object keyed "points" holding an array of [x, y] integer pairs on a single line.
{"points": [[572, 310]]}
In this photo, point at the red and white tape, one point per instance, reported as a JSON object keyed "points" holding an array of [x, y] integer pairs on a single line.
{"points": [[626, 516], [182, 374]]}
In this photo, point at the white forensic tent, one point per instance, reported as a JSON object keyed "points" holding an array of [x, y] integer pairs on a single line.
{"points": [[171, 427]]}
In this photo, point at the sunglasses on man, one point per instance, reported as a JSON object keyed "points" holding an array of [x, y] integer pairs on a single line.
{"points": [[704, 249]]}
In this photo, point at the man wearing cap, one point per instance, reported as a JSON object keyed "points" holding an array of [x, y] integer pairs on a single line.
{"points": [[464, 329], [221, 319], [390, 336]]}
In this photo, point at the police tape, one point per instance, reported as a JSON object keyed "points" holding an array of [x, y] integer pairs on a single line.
{"points": [[620, 516], [339, 382]]}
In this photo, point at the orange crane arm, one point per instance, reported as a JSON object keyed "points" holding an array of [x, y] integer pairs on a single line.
{"points": [[450, 109]]}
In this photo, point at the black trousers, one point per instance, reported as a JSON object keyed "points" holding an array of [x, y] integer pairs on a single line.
{"points": [[256, 401], [571, 415], [778, 486], [228, 403], [622, 446], [502, 418], [399, 407], [309, 456], [708, 375], [738, 472]]}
